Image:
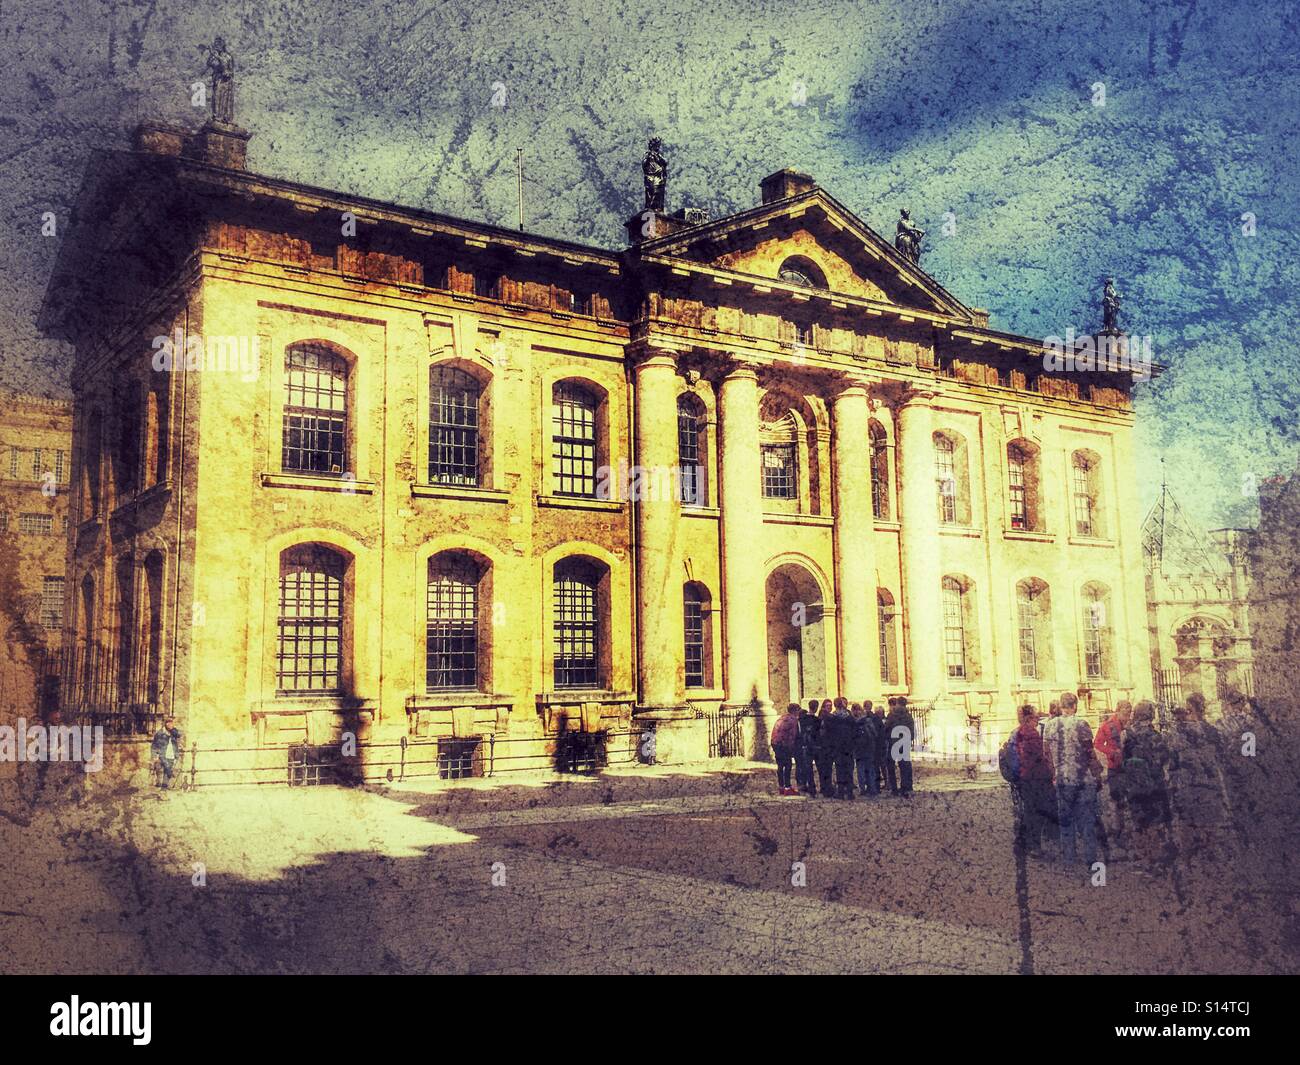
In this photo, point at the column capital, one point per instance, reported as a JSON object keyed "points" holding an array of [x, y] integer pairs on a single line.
{"points": [[740, 371], [918, 396], [643, 352]]}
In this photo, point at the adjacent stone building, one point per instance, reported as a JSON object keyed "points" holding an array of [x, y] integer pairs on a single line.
{"points": [[35, 467], [344, 464], [1198, 603], [1275, 595]]}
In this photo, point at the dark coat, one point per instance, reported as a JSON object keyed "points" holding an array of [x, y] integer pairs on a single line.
{"points": [[810, 728], [864, 738]]}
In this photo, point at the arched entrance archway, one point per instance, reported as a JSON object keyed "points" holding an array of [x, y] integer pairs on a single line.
{"points": [[796, 636]]}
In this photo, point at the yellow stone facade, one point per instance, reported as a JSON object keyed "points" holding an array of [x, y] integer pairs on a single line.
{"points": [[781, 355]]}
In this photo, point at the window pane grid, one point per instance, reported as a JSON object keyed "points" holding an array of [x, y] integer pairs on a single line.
{"points": [[315, 411], [573, 444], [1016, 472], [694, 612], [52, 602], [879, 477], [688, 456], [885, 618], [1083, 506], [36, 524], [451, 648], [576, 636], [1093, 615], [1028, 648], [945, 480], [954, 630], [453, 427], [780, 480], [309, 652]]}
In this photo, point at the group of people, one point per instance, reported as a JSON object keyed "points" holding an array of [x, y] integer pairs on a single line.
{"points": [[1163, 792], [831, 741]]}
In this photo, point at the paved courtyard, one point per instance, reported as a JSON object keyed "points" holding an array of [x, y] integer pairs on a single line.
{"points": [[644, 871]]}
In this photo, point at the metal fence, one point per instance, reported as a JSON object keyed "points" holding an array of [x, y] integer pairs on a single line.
{"points": [[443, 758], [727, 732]]}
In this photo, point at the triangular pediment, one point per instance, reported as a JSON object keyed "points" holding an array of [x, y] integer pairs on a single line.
{"points": [[814, 235]]}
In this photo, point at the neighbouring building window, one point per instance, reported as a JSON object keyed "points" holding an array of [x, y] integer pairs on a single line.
{"points": [[453, 426], [309, 651], [954, 627], [451, 639], [695, 602], [315, 410], [879, 472], [780, 472], [573, 440], [945, 477], [52, 602], [15, 456], [4, 521], [60, 467], [577, 626], [36, 524], [691, 450]]}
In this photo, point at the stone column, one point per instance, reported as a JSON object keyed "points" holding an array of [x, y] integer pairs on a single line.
{"points": [[855, 552], [744, 588], [922, 565], [660, 639]]}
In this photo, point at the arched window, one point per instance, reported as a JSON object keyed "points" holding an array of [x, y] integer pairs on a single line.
{"points": [[798, 270], [453, 426], [692, 451], [309, 647], [92, 454], [573, 440], [315, 410], [780, 454], [879, 472], [698, 629], [126, 453], [125, 573], [85, 680], [153, 589], [157, 434], [1096, 632], [1034, 627], [452, 623], [952, 484], [960, 630], [1018, 477], [1085, 490], [945, 477], [578, 623], [886, 615]]}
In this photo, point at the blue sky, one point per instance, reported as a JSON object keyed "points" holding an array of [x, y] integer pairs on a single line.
{"points": [[985, 110]]}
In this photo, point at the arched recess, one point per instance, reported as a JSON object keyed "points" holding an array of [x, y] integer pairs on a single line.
{"points": [[321, 423], [792, 433], [1024, 486], [1088, 504], [1035, 654], [458, 401], [961, 644], [801, 270], [881, 480], [608, 578], [799, 662]]}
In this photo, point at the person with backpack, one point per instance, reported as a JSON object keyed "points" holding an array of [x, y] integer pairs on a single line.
{"points": [[806, 751], [1024, 765], [1110, 745], [784, 739], [843, 730], [864, 748], [1195, 780]]}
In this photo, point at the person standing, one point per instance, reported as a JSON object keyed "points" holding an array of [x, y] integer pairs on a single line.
{"points": [[843, 728], [900, 734], [1110, 746], [882, 751], [806, 752], [825, 754], [1195, 783], [864, 748], [1032, 788], [785, 738], [1147, 801], [166, 750], [1068, 742]]}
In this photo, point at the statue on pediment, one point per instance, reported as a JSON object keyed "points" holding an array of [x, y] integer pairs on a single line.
{"points": [[222, 66], [1110, 306], [655, 169], [908, 237]]}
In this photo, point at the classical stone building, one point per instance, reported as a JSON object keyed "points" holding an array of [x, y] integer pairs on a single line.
{"points": [[35, 466], [429, 477], [1275, 595], [1198, 606]]}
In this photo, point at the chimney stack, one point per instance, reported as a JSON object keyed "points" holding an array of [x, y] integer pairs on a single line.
{"points": [[784, 184]]}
